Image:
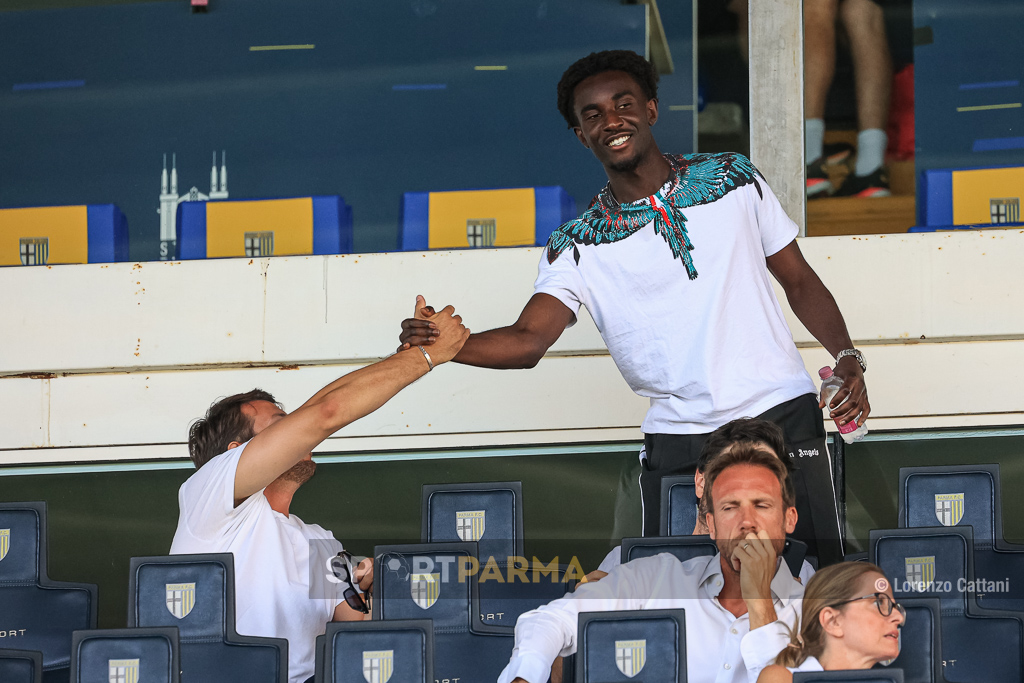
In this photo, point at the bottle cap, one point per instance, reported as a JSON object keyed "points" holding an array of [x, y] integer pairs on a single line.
{"points": [[825, 372]]}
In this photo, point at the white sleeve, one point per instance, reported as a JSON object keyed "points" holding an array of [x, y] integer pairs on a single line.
{"points": [[561, 280], [550, 631], [207, 499], [760, 647], [776, 228]]}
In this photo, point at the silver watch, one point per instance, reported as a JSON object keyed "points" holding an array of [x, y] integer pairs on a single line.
{"points": [[856, 354]]}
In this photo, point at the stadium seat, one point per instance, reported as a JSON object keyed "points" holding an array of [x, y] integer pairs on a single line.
{"points": [[196, 593], [21, 666], [869, 676], [265, 227], [977, 644], [966, 495], [37, 613], [683, 547], [318, 663], [435, 581], [482, 218], [126, 655], [379, 652], [643, 645], [490, 514], [678, 505], [953, 198], [920, 656], [49, 235]]}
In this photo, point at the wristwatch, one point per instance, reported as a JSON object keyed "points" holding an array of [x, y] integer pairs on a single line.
{"points": [[856, 354]]}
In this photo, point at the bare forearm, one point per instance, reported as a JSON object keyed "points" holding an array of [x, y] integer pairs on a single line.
{"points": [[503, 348], [817, 310]]}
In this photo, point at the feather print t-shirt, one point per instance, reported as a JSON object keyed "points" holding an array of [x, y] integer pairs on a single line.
{"points": [[704, 338]]}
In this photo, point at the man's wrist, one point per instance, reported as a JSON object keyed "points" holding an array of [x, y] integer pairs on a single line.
{"points": [[761, 611], [857, 356]]}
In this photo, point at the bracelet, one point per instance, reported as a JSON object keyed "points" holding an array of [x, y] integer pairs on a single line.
{"points": [[427, 356]]}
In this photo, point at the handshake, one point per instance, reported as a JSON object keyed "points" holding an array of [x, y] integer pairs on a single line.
{"points": [[442, 330]]}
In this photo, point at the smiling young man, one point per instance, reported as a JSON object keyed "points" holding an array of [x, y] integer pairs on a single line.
{"points": [[251, 458], [740, 604], [672, 260]]}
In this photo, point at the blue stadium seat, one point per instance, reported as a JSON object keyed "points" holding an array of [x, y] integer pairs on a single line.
{"points": [[967, 495], [978, 645], [921, 642], [424, 581], [640, 645], [196, 593], [490, 514], [683, 547], [21, 666], [320, 650], [678, 505], [379, 651], [125, 655], [40, 613], [869, 676]]}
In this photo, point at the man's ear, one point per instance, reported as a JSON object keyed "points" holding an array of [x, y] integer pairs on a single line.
{"points": [[233, 444], [652, 111], [579, 136], [710, 521], [698, 484], [791, 516]]}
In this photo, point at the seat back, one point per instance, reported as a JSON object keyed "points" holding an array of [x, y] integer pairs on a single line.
{"points": [[678, 505], [868, 676], [125, 656], [48, 235], [21, 666], [379, 652], [978, 645], [960, 495], [642, 645], [196, 593], [920, 656], [40, 614], [683, 547], [490, 514]]}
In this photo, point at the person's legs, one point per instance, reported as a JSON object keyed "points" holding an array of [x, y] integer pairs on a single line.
{"points": [[872, 70], [819, 69]]}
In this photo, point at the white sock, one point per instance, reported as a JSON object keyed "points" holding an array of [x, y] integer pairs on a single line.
{"points": [[871, 144], [814, 139]]}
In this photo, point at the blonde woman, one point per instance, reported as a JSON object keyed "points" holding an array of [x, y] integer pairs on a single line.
{"points": [[850, 621]]}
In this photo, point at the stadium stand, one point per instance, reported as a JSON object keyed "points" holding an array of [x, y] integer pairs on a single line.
{"points": [[614, 645], [265, 227], [954, 198], [977, 644], [419, 581], [921, 642], [21, 666], [196, 593], [125, 656], [482, 218], [51, 235], [43, 612], [966, 495], [678, 505], [379, 651], [490, 514], [870, 676]]}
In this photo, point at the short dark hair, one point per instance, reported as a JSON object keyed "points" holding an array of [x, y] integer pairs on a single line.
{"points": [[750, 430], [598, 62], [748, 454], [224, 422]]}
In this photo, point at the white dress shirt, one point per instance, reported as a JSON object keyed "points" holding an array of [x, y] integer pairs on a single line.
{"points": [[719, 646]]}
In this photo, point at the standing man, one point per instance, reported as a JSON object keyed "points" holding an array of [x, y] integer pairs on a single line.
{"points": [[251, 457], [672, 261]]}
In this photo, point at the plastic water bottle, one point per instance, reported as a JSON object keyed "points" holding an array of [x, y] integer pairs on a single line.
{"points": [[829, 386]]}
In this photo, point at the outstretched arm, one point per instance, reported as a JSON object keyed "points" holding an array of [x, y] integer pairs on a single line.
{"points": [[520, 345], [817, 310], [278, 447]]}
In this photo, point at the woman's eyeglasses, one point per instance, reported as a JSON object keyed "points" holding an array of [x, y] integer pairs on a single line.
{"points": [[343, 570], [883, 602]]}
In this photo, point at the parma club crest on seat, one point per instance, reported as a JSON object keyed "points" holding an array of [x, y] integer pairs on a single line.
{"points": [[123, 670], [378, 665], [630, 656], [949, 508], [5, 543], [181, 598], [470, 524], [920, 571], [425, 589]]}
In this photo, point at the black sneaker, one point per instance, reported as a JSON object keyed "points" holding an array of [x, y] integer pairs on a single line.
{"points": [[818, 184], [837, 153], [875, 184]]}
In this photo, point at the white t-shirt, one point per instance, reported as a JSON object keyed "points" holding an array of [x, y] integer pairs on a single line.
{"points": [[272, 554], [705, 351]]}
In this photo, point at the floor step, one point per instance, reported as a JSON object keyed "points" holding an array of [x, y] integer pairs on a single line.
{"points": [[860, 215]]}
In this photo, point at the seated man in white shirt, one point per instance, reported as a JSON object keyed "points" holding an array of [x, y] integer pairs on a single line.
{"points": [[740, 604], [251, 458]]}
